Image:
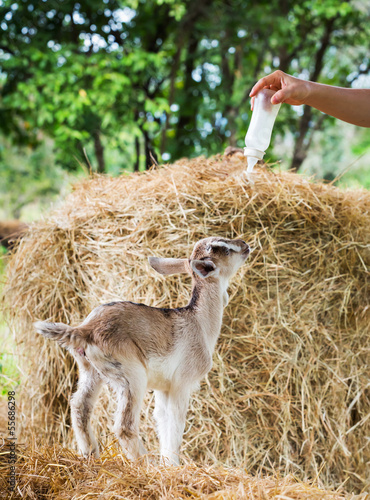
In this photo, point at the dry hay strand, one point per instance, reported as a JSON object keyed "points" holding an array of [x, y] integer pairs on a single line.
{"points": [[56, 472], [289, 391]]}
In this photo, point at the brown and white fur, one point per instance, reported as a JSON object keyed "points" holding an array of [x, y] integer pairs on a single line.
{"points": [[134, 347]]}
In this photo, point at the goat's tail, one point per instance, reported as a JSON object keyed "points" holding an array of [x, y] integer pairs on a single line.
{"points": [[65, 335]]}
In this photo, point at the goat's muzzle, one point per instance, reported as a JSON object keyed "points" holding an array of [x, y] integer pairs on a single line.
{"points": [[246, 251]]}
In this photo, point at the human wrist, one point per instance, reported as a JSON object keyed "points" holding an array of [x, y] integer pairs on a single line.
{"points": [[310, 93]]}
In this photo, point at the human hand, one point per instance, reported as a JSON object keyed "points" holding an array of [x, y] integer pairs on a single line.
{"points": [[288, 88]]}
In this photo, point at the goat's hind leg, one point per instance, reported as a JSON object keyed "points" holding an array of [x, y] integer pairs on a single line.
{"points": [[130, 390], [82, 404]]}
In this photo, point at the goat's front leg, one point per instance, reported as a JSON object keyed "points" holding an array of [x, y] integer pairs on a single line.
{"points": [[171, 409], [160, 415], [130, 396], [82, 403]]}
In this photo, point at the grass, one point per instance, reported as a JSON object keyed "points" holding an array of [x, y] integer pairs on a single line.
{"points": [[9, 372]]}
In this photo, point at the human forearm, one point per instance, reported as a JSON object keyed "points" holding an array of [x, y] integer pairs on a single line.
{"points": [[349, 105]]}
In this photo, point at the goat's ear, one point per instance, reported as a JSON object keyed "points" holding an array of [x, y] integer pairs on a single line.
{"points": [[204, 268], [169, 266]]}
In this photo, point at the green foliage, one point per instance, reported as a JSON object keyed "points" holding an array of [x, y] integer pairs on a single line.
{"points": [[173, 76], [357, 177], [29, 180], [363, 143], [9, 373]]}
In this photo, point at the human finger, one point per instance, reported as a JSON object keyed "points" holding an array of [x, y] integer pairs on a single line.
{"points": [[272, 79]]}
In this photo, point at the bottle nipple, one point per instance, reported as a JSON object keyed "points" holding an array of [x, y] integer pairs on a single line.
{"points": [[251, 160]]}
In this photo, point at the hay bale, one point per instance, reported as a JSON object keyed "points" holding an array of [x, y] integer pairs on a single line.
{"points": [[289, 391]]}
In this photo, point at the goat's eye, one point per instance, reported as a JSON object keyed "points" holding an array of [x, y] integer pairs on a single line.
{"points": [[227, 251]]}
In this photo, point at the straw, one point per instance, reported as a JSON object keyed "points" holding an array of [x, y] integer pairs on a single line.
{"points": [[56, 472]]}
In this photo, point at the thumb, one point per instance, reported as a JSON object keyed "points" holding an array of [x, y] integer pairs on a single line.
{"points": [[281, 96]]}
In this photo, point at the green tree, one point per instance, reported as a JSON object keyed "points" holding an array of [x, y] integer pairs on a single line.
{"points": [[28, 177], [67, 75], [166, 77]]}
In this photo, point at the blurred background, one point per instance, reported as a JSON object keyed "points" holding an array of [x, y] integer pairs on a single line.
{"points": [[114, 86]]}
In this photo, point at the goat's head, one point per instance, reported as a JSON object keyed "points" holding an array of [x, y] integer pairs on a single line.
{"points": [[211, 257]]}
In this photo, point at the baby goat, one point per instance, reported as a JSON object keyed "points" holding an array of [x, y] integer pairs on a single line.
{"points": [[134, 347]]}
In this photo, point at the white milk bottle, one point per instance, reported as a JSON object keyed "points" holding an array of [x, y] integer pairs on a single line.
{"points": [[259, 132]]}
